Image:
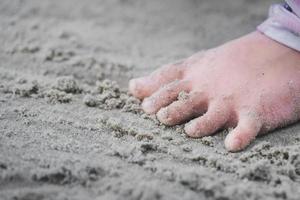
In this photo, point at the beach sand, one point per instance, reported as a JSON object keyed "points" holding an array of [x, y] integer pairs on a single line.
{"points": [[69, 130]]}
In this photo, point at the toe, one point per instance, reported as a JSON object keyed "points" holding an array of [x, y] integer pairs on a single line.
{"points": [[215, 118], [247, 129], [182, 110], [164, 96], [145, 86]]}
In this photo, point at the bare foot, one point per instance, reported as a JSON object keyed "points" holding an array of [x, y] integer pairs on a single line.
{"points": [[251, 84]]}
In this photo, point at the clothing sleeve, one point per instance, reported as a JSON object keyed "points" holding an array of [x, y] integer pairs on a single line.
{"points": [[283, 24]]}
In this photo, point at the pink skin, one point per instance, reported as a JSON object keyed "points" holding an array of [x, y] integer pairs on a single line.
{"points": [[251, 84]]}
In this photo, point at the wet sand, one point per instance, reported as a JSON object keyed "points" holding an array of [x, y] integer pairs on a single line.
{"points": [[69, 130]]}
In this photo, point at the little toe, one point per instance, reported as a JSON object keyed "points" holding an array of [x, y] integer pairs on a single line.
{"points": [[145, 86], [182, 110], [164, 96], [214, 119], [245, 132], [137, 87]]}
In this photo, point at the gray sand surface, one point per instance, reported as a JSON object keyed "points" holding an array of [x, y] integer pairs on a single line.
{"points": [[69, 130]]}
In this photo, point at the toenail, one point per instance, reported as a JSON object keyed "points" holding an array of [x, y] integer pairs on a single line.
{"points": [[163, 116], [147, 106], [190, 130], [235, 144]]}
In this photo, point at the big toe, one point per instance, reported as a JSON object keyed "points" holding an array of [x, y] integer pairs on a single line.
{"points": [[245, 132]]}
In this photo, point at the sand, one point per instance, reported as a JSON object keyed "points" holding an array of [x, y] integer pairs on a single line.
{"points": [[69, 129]]}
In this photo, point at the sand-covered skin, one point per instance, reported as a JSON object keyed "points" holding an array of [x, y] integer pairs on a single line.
{"points": [[69, 130]]}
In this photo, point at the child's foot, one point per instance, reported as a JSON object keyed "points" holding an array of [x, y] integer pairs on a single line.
{"points": [[252, 84]]}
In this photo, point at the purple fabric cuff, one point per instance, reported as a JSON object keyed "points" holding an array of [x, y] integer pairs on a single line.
{"points": [[283, 24]]}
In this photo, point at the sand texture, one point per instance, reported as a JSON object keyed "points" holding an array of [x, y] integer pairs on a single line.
{"points": [[69, 129]]}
